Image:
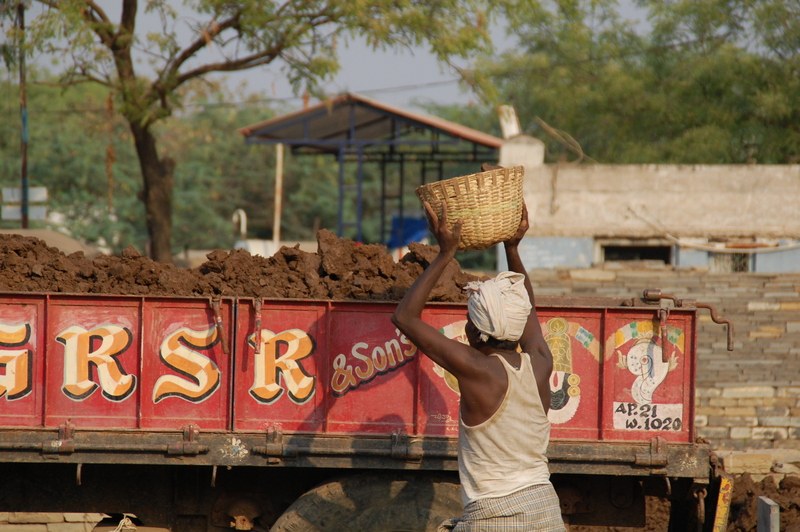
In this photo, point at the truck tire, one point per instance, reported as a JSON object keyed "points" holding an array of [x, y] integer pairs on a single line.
{"points": [[374, 503]]}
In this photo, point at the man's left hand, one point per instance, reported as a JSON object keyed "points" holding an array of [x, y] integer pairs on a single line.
{"points": [[448, 238]]}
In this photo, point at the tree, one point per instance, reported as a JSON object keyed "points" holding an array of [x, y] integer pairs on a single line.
{"points": [[574, 74], [203, 37], [712, 81]]}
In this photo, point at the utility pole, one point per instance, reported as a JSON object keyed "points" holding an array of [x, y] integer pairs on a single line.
{"points": [[23, 107]]}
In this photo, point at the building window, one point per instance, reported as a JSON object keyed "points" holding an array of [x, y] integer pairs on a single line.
{"points": [[637, 253], [728, 262]]}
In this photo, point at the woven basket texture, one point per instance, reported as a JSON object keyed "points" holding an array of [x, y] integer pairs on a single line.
{"points": [[489, 204]]}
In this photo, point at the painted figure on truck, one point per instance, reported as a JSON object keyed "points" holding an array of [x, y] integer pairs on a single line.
{"points": [[505, 393]]}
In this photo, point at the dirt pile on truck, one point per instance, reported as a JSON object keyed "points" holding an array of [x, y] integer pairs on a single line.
{"points": [[340, 269]]}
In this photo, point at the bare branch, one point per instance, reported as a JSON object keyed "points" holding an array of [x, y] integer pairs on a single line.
{"points": [[98, 22], [253, 60], [212, 30], [98, 11]]}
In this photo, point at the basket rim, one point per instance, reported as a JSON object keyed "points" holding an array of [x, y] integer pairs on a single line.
{"points": [[509, 170]]}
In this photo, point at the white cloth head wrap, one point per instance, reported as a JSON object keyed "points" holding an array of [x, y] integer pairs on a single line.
{"points": [[499, 307]]}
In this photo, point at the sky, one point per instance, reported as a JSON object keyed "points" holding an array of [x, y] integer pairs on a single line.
{"points": [[408, 78], [404, 78], [398, 77]]}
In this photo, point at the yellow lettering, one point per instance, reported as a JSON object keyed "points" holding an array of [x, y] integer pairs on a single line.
{"points": [[412, 349], [367, 373], [379, 358], [382, 359], [270, 366], [99, 347], [202, 374], [343, 377], [394, 352], [16, 381]]}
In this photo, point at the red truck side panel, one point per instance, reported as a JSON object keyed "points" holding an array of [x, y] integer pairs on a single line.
{"points": [[22, 338], [279, 385], [373, 374], [92, 357], [649, 389], [574, 338], [185, 370], [320, 367]]}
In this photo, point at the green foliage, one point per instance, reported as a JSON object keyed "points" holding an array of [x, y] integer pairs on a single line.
{"points": [[71, 133], [70, 136], [712, 81]]}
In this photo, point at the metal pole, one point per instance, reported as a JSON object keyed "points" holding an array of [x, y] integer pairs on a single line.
{"points": [[23, 107], [340, 232], [360, 195], [276, 220]]}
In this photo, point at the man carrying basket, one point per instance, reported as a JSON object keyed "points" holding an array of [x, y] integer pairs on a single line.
{"points": [[505, 395]]}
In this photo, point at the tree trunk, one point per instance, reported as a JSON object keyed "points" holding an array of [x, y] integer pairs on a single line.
{"points": [[157, 179]]}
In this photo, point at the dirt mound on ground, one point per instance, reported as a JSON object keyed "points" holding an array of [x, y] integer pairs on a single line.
{"points": [[744, 503], [340, 269]]}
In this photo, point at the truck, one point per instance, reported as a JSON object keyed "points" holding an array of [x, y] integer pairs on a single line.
{"points": [[207, 414]]}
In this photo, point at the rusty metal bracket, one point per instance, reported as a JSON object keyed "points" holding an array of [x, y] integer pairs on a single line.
{"points": [[257, 340], [215, 303], [656, 456], [275, 449], [700, 497], [402, 448], [654, 295], [65, 443], [188, 446], [663, 318], [719, 320]]}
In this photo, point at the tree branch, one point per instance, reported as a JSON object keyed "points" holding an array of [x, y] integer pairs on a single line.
{"points": [[99, 23], [212, 30], [259, 58]]}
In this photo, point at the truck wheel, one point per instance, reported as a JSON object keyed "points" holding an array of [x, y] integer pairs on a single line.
{"points": [[373, 503]]}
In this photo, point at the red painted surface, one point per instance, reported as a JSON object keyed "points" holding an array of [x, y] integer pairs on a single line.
{"points": [[279, 395], [83, 328], [185, 372], [22, 319], [320, 367]]}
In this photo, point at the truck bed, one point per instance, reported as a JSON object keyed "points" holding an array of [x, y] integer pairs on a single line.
{"points": [[242, 381]]}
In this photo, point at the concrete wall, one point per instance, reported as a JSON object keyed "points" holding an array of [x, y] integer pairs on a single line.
{"points": [[585, 252], [748, 400], [702, 212], [642, 201]]}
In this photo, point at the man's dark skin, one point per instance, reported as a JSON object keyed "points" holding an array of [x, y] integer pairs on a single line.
{"points": [[482, 379]]}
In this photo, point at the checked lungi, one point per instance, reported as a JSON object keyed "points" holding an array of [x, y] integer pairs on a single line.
{"points": [[531, 509]]}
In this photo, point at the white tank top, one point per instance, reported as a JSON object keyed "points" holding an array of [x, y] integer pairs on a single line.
{"points": [[506, 452]]}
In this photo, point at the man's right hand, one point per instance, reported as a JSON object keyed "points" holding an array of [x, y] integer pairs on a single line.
{"points": [[521, 230]]}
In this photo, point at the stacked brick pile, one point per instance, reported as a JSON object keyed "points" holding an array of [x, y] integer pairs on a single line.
{"points": [[48, 522]]}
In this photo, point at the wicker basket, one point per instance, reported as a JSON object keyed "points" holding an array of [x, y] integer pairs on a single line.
{"points": [[489, 204]]}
